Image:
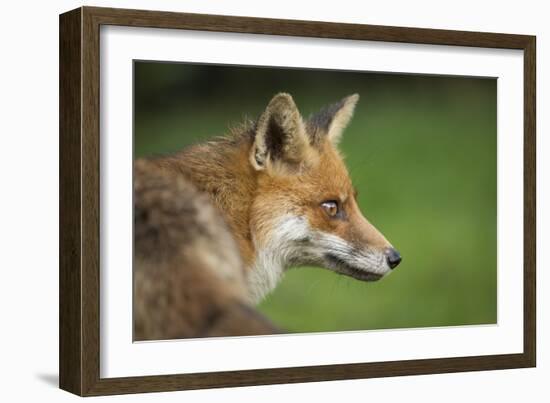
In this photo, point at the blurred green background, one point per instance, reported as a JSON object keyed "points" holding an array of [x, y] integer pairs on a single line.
{"points": [[420, 149]]}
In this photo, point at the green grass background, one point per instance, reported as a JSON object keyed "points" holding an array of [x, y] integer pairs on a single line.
{"points": [[421, 151]]}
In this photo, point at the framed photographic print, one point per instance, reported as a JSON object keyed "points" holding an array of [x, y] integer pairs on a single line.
{"points": [[249, 201]]}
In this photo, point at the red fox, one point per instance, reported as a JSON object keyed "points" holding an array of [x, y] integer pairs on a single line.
{"points": [[219, 223]]}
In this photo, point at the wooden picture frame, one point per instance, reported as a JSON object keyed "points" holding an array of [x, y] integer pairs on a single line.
{"points": [[79, 201]]}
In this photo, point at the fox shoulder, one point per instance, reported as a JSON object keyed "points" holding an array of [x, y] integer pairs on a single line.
{"points": [[189, 279]]}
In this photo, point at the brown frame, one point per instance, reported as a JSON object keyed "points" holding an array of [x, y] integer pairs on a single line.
{"points": [[79, 201]]}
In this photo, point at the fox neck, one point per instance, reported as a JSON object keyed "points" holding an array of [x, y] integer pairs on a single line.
{"points": [[264, 274], [222, 170], [280, 249]]}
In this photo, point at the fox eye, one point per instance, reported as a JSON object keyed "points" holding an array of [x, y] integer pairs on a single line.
{"points": [[330, 207]]}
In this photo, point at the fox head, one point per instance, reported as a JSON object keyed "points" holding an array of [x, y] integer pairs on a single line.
{"points": [[305, 210]]}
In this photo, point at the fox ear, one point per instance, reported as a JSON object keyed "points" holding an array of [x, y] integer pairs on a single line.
{"points": [[331, 121], [280, 135]]}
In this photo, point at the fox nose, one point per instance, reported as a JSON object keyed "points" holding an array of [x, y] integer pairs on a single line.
{"points": [[393, 257]]}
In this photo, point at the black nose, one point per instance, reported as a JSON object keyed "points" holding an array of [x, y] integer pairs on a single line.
{"points": [[393, 257]]}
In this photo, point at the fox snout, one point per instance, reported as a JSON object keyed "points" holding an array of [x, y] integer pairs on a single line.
{"points": [[363, 264], [361, 252], [373, 238], [367, 240]]}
